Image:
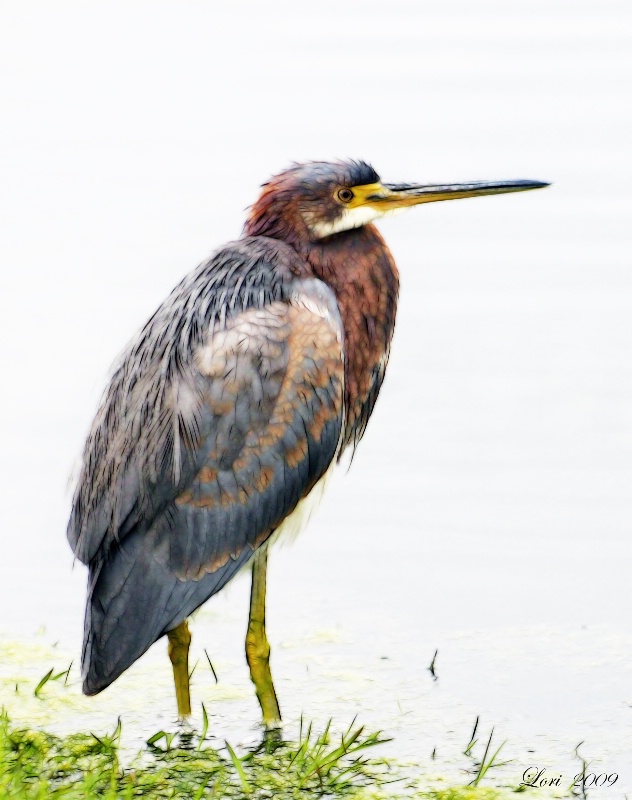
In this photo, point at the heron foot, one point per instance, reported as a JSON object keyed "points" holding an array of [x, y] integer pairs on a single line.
{"points": [[258, 656], [187, 738], [272, 737]]}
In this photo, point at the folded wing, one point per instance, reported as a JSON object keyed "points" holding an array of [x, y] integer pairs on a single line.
{"points": [[194, 477]]}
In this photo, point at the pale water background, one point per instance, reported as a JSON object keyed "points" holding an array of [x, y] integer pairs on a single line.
{"points": [[488, 511]]}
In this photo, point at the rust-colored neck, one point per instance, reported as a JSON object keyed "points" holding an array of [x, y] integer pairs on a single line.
{"points": [[357, 265], [359, 268]]}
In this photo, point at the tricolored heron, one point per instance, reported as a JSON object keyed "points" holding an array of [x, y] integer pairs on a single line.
{"points": [[227, 412]]}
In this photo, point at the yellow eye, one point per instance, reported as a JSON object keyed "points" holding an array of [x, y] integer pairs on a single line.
{"points": [[345, 195]]}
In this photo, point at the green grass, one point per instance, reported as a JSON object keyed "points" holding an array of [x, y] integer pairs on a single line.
{"points": [[35, 765]]}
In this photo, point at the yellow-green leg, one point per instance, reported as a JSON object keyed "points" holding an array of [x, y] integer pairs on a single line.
{"points": [[257, 646], [179, 641]]}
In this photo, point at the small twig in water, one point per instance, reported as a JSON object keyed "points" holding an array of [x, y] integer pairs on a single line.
{"points": [[431, 668], [208, 658], [473, 740]]}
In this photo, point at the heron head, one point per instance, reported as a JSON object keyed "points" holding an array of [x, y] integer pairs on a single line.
{"points": [[319, 199]]}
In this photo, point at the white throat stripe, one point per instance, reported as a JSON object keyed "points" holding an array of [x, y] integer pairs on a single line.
{"points": [[348, 219]]}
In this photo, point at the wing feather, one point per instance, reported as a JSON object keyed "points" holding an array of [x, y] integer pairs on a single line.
{"points": [[244, 426]]}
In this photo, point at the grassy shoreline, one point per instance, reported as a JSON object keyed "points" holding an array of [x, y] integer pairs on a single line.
{"points": [[35, 765], [80, 762]]}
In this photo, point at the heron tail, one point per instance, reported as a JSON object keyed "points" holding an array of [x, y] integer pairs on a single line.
{"points": [[134, 598]]}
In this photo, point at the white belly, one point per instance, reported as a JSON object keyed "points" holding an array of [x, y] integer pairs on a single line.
{"points": [[295, 522]]}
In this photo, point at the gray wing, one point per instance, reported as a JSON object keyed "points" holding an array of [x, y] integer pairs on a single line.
{"points": [[247, 426]]}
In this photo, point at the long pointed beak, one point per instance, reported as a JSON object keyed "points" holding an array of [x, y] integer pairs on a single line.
{"points": [[401, 195]]}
